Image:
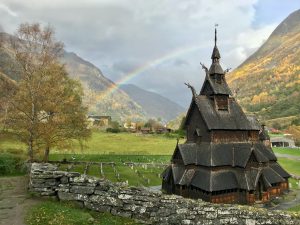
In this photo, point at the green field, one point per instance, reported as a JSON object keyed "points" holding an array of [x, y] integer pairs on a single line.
{"points": [[292, 166], [295, 209], [289, 151], [136, 175], [58, 213], [108, 143], [126, 143], [128, 147], [111, 158]]}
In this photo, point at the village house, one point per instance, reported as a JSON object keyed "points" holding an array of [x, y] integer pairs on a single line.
{"points": [[101, 121], [227, 157], [282, 142]]}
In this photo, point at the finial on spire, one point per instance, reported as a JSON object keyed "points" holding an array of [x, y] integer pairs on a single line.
{"points": [[215, 55], [216, 25]]}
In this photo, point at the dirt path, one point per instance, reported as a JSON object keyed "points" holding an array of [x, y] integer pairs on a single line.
{"points": [[14, 200], [294, 200]]}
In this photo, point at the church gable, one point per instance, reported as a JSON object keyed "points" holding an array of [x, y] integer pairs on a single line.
{"points": [[177, 157], [206, 88], [252, 160], [196, 129]]}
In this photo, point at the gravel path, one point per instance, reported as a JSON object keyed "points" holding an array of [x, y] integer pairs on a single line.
{"points": [[14, 200]]}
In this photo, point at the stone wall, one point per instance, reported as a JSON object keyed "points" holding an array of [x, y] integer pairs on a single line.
{"points": [[143, 205]]}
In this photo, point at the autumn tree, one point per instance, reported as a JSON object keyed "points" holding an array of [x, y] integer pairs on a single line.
{"points": [[46, 110], [8, 88], [63, 115]]}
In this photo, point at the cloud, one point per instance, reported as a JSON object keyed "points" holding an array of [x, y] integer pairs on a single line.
{"points": [[1, 28], [125, 34], [181, 62], [247, 42], [6, 9], [125, 66]]}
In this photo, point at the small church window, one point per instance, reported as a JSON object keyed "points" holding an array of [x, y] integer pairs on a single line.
{"points": [[197, 135], [218, 78], [221, 102]]}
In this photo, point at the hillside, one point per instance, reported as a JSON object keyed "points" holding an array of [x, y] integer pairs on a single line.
{"points": [[117, 104], [268, 82], [155, 105], [7, 88]]}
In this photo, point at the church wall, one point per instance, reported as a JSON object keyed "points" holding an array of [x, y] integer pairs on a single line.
{"points": [[231, 196], [196, 121], [226, 198], [226, 136]]}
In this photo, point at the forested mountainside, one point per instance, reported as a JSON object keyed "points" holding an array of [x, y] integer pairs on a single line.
{"points": [[268, 82]]}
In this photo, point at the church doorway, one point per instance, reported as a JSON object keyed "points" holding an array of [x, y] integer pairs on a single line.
{"points": [[259, 190]]}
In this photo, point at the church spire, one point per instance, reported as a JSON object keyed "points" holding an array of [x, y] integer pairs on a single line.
{"points": [[215, 83], [216, 35], [215, 54]]}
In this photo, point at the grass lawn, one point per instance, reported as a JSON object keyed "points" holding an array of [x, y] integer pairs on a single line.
{"points": [[135, 176], [126, 143], [294, 184], [119, 159], [8, 142], [58, 213], [289, 151], [295, 209], [292, 166], [108, 143]]}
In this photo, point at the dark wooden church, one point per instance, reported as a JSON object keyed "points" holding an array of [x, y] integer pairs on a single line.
{"points": [[227, 156]]}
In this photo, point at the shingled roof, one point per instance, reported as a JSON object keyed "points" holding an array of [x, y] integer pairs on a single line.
{"points": [[209, 180], [233, 119], [216, 87], [224, 154]]}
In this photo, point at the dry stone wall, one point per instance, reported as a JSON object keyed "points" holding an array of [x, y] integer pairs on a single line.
{"points": [[143, 205]]}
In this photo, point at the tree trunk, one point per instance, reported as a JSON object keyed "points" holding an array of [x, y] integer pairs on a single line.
{"points": [[30, 148], [46, 155]]}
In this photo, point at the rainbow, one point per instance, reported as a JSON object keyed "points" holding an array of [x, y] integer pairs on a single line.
{"points": [[150, 64]]}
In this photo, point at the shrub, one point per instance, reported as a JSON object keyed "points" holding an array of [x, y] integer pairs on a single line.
{"points": [[11, 164], [113, 130]]}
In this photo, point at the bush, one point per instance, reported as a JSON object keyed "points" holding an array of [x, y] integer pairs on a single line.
{"points": [[11, 164], [113, 130]]}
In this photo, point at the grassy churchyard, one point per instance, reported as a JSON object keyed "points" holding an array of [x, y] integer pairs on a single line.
{"points": [[148, 153], [151, 151]]}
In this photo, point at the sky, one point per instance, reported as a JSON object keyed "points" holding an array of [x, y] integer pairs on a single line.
{"points": [[154, 44]]}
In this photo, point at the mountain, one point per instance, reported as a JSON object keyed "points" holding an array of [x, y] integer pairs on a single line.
{"points": [[97, 95], [268, 82], [155, 105]]}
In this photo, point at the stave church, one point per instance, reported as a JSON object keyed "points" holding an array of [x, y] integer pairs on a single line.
{"points": [[227, 157]]}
